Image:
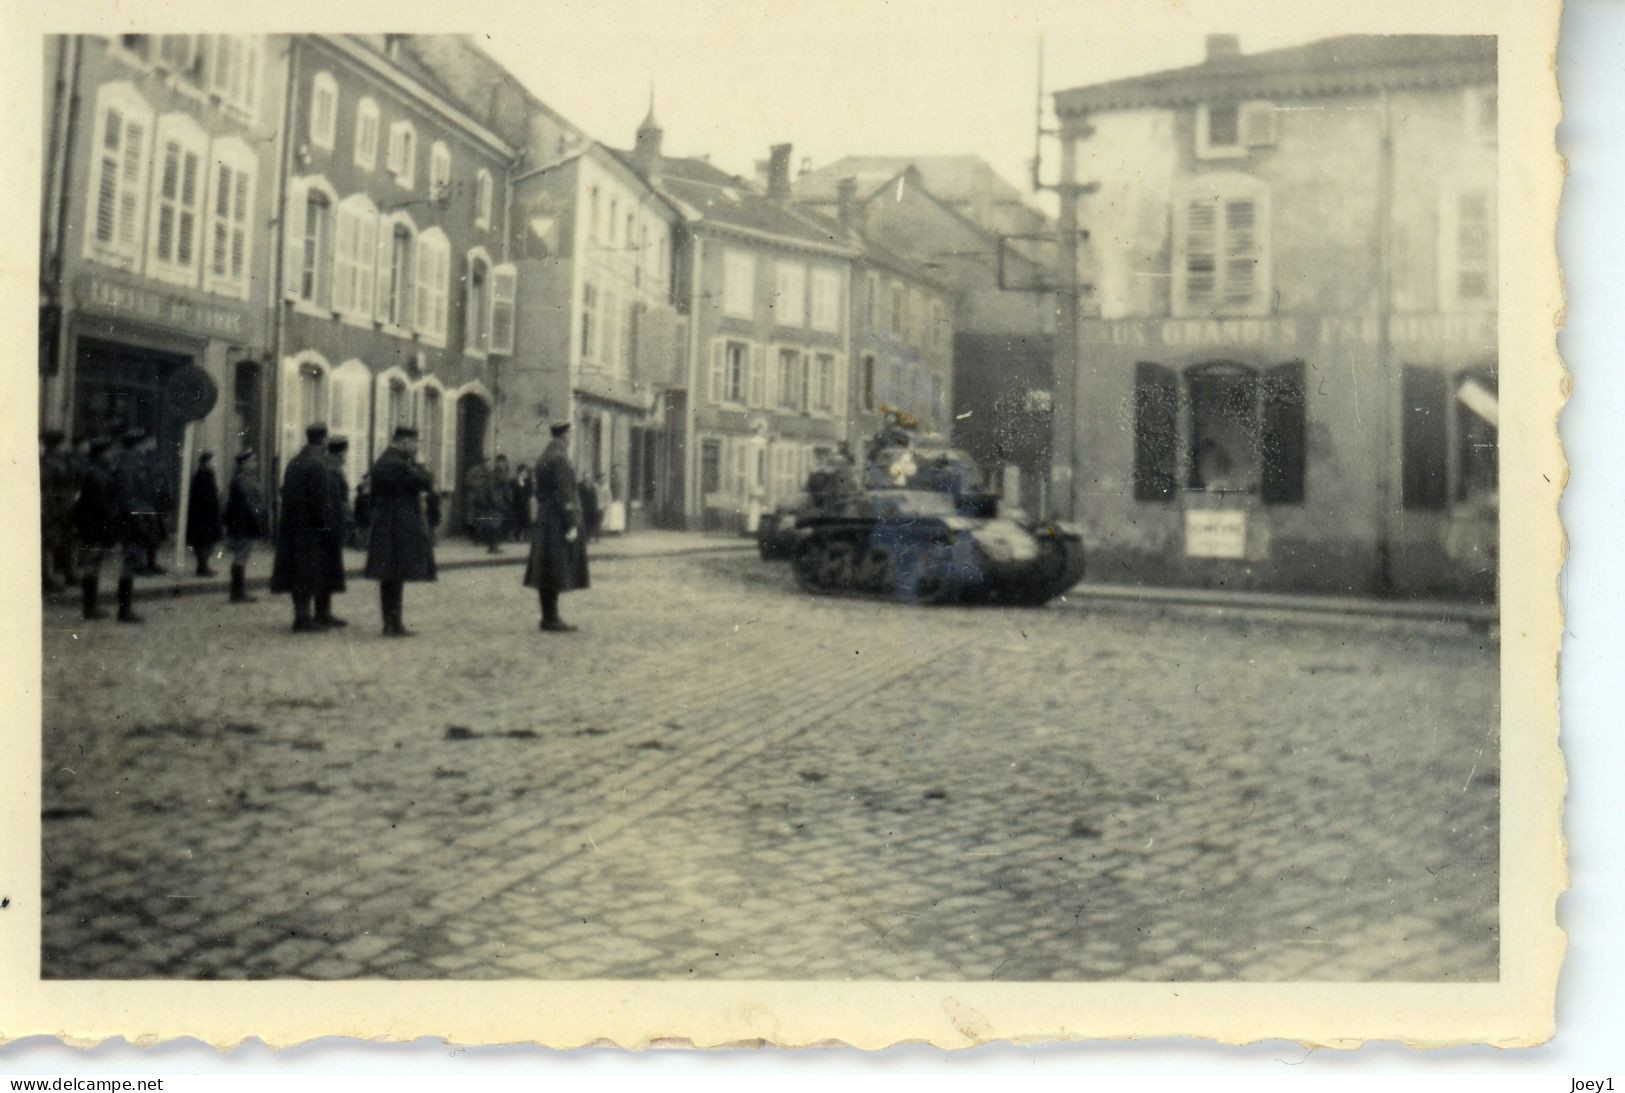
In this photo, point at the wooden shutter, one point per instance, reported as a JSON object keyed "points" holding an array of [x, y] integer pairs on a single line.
{"points": [[423, 270], [757, 386], [1283, 440], [504, 291], [344, 245], [1156, 401], [288, 412], [1240, 250], [366, 258], [1424, 449], [448, 441], [382, 424], [382, 256], [719, 367], [1201, 253], [1258, 124], [841, 408], [293, 239]]}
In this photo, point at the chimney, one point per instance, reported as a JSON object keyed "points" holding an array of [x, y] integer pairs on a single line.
{"points": [[778, 172], [1223, 46], [846, 197]]}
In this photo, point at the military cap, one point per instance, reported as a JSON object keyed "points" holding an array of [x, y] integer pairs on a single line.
{"points": [[315, 434], [559, 427], [338, 444], [405, 432], [245, 455]]}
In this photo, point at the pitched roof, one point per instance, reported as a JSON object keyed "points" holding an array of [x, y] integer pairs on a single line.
{"points": [[710, 195], [1331, 66], [952, 178], [480, 84]]}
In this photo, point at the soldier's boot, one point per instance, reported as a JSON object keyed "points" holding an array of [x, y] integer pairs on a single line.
{"points": [[239, 586], [302, 622], [126, 598], [203, 569], [324, 613], [89, 593], [550, 615]]}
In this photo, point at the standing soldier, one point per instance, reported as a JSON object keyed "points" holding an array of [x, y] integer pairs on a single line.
{"points": [[203, 513], [338, 506], [558, 547], [484, 511], [399, 550], [57, 483], [303, 566], [97, 522], [245, 522], [157, 491], [140, 525]]}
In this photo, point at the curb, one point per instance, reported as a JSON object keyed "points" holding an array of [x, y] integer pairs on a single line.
{"points": [[177, 589], [1480, 616]]}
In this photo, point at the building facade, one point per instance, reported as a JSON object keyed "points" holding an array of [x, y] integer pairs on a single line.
{"points": [[1288, 380], [156, 245], [397, 299]]}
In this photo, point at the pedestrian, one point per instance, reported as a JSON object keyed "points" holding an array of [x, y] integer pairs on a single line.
{"points": [[502, 497], [558, 546], [306, 566], [245, 521], [522, 496], [362, 512], [612, 513], [58, 485], [399, 549], [162, 496], [96, 522], [203, 514], [140, 524], [592, 516], [484, 509]]}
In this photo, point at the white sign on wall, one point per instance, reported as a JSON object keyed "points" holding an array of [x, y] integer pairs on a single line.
{"points": [[1215, 533]]}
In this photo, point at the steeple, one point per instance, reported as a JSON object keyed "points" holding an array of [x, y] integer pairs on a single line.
{"points": [[646, 152], [650, 125]]}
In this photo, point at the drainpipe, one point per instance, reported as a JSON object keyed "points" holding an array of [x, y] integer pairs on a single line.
{"points": [[1391, 460], [692, 500], [279, 277]]}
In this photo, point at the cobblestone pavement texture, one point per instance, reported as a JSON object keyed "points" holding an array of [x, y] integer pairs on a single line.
{"points": [[719, 777]]}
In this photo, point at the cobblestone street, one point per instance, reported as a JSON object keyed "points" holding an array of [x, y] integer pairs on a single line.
{"points": [[720, 777]]}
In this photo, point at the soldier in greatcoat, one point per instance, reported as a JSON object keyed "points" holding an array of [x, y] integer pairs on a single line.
{"points": [[399, 548], [484, 509], [96, 523], [245, 521], [558, 547], [304, 566], [338, 504], [203, 513], [157, 490], [141, 524]]}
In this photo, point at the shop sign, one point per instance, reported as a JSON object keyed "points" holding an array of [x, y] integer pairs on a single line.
{"points": [[138, 302], [1475, 329], [1215, 533]]}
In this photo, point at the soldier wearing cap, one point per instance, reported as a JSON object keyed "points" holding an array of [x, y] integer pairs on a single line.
{"points": [[97, 523], [245, 521], [305, 565], [558, 547], [399, 548], [140, 525], [203, 513], [338, 504]]}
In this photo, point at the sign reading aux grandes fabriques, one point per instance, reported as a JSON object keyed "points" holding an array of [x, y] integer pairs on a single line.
{"points": [[1293, 331], [100, 293]]}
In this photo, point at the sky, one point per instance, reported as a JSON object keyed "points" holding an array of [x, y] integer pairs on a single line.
{"points": [[866, 76]]}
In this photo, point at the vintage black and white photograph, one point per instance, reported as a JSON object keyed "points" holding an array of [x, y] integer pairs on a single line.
{"points": [[541, 515]]}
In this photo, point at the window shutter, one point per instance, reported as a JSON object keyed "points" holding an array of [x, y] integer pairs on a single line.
{"points": [[718, 370], [1258, 125], [358, 404], [504, 290], [1240, 251], [423, 269], [382, 256], [132, 187], [1201, 272], [448, 441], [757, 393], [1283, 442], [382, 425], [840, 407], [366, 260], [1156, 400], [293, 239], [288, 412], [1425, 471], [344, 241]]}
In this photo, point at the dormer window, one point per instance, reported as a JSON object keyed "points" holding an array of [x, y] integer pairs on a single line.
{"points": [[1231, 128]]}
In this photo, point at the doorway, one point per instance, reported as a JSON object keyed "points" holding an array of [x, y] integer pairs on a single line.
{"points": [[473, 419], [121, 387]]}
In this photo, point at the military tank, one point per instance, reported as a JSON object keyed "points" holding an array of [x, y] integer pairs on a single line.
{"points": [[912, 526]]}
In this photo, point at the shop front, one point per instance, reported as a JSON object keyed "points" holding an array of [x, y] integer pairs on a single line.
{"points": [[1324, 453]]}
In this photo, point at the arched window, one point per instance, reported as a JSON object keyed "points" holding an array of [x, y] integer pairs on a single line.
{"points": [[366, 134], [429, 414], [396, 271], [403, 152], [308, 236], [177, 201], [324, 110], [232, 171], [304, 398], [392, 406]]}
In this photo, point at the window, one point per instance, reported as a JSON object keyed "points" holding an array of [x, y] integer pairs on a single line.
{"points": [[482, 199], [823, 386], [866, 379], [756, 388], [595, 223], [1245, 431], [308, 235], [231, 204], [631, 230], [303, 398], [476, 307], [738, 284], [349, 412], [355, 254], [432, 285], [235, 71], [1450, 441], [896, 320], [119, 174], [504, 294], [589, 323], [826, 300], [1467, 248], [710, 465], [177, 204], [1221, 255], [729, 372], [874, 303], [324, 110], [393, 407], [430, 412], [791, 390], [397, 269], [614, 219], [403, 153], [610, 329], [318, 237], [312, 395], [439, 171], [366, 134]]}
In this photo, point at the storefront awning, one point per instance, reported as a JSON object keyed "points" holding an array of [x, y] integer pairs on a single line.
{"points": [[1481, 401]]}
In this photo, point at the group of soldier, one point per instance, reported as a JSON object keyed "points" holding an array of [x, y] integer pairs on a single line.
{"points": [[105, 498], [106, 501]]}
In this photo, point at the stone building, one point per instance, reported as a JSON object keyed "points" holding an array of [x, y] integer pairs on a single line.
{"points": [[156, 239], [1289, 378]]}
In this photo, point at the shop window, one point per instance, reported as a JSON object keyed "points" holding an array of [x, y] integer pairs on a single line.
{"points": [[324, 107], [119, 174], [1224, 434], [1425, 443], [1221, 248]]}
